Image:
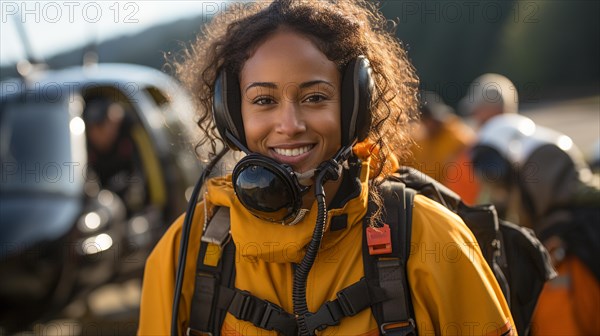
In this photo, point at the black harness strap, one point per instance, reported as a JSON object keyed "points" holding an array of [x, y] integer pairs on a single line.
{"points": [[269, 316], [200, 318], [349, 302], [394, 316], [261, 313], [204, 319]]}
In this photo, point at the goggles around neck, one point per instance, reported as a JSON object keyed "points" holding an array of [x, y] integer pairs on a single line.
{"points": [[268, 189], [271, 190]]}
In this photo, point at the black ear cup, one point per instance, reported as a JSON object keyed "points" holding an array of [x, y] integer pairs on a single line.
{"points": [[356, 92], [227, 109], [357, 89]]}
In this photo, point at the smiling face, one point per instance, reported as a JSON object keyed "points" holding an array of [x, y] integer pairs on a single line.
{"points": [[291, 102]]}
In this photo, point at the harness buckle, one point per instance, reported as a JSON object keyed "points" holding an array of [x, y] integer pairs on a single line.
{"points": [[345, 304], [379, 240], [402, 327], [245, 305], [266, 316], [194, 332]]}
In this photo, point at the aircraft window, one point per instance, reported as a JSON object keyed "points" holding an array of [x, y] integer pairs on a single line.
{"points": [[35, 149], [121, 155]]}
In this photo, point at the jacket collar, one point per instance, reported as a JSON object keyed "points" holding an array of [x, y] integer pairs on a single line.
{"points": [[256, 238]]}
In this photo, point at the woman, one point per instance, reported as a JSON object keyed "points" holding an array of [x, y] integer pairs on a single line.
{"points": [[287, 63]]}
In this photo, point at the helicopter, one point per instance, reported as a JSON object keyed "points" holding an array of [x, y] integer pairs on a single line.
{"points": [[65, 229]]}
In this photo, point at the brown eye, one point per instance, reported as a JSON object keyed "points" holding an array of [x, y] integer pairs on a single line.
{"points": [[315, 98], [263, 101]]}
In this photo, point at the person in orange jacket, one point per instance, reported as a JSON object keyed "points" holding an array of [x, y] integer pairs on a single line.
{"points": [[295, 85], [442, 141]]}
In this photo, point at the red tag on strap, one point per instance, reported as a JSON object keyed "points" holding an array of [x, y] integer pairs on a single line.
{"points": [[379, 240]]}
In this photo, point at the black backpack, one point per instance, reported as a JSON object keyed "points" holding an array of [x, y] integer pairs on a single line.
{"points": [[519, 261]]}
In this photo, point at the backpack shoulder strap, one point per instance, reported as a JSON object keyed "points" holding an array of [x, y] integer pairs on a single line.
{"points": [[215, 268], [394, 316], [214, 291]]}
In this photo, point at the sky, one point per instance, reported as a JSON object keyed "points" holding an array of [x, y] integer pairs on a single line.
{"points": [[55, 26]]}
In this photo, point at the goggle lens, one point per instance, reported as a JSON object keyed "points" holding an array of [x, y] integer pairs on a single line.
{"points": [[266, 190]]}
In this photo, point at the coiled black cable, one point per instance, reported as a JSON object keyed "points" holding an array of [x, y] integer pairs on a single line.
{"points": [[329, 170], [185, 236], [301, 275]]}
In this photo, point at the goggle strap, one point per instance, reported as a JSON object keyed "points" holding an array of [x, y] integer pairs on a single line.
{"points": [[299, 216], [305, 178]]}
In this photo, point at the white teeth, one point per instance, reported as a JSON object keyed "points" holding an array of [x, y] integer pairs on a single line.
{"points": [[293, 151]]}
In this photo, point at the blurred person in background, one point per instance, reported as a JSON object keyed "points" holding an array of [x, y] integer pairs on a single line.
{"points": [[440, 151], [539, 179], [489, 95], [113, 158]]}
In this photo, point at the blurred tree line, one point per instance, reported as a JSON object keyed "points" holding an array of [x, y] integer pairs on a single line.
{"points": [[549, 48]]}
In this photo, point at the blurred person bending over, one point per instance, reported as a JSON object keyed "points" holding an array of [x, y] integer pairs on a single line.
{"points": [[539, 179]]}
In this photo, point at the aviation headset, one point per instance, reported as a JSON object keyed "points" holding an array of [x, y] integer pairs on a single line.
{"points": [[255, 172]]}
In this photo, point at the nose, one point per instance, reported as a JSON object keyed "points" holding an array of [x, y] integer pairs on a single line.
{"points": [[290, 120]]}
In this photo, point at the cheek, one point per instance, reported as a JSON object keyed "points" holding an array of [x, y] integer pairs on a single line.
{"points": [[335, 134], [252, 139], [255, 130], [329, 126]]}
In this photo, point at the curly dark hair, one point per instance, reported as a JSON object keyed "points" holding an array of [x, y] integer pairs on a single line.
{"points": [[342, 30]]}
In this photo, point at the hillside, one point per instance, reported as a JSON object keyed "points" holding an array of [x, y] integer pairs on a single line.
{"points": [[548, 48]]}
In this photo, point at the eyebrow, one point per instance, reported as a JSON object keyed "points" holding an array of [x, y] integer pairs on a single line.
{"points": [[271, 85], [261, 84], [314, 82]]}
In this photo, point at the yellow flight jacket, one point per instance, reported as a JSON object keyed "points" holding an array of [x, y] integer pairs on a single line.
{"points": [[453, 289]]}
